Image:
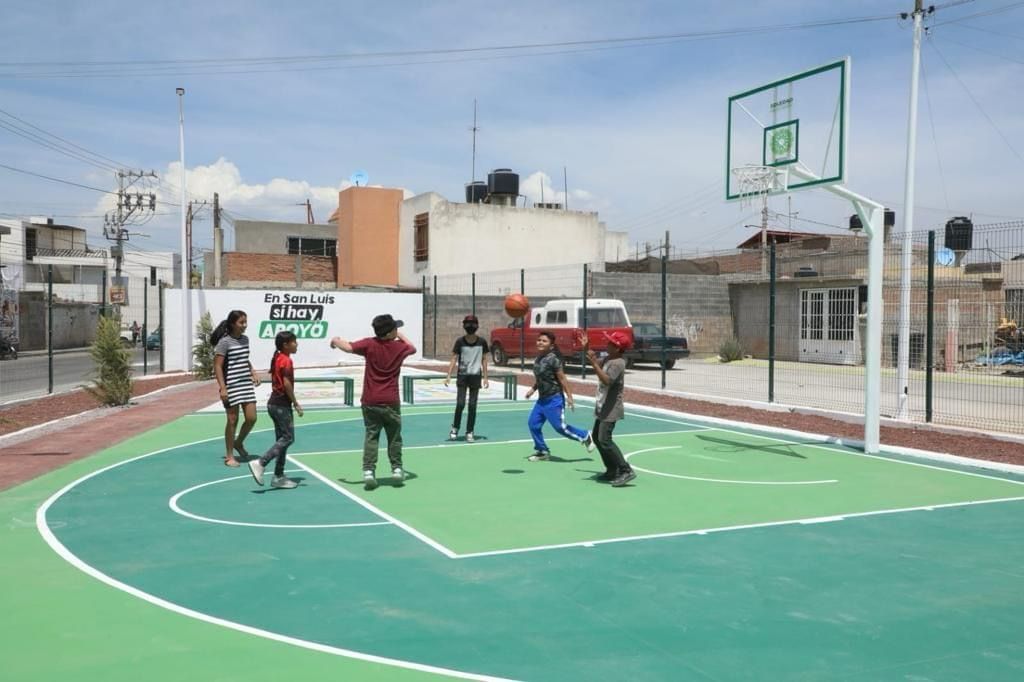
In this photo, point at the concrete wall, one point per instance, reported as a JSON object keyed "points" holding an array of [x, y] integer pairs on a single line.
{"points": [[616, 246], [262, 236], [74, 324], [482, 237], [368, 241]]}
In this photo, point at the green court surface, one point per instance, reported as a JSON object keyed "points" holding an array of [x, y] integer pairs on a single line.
{"points": [[735, 555]]}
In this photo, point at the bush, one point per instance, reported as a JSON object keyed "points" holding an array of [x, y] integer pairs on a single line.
{"points": [[202, 351], [113, 369], [730, 350]]}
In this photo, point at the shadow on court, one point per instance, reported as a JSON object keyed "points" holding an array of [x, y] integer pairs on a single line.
{"points": [[784, 449]]}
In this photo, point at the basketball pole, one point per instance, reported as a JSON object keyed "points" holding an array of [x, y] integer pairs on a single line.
{"points": [[872, 216]]}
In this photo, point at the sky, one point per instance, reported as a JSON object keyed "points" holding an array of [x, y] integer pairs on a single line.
{"points": [[636, 130]]}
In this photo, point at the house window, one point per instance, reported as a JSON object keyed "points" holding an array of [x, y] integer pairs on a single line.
{"points": [[421, 246], [308, 246], [841, 314], [30, 243]]}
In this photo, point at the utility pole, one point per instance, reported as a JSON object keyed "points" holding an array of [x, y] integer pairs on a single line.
{"points": [[474, 129], [907, 250], [129, 204], [218, 241]]}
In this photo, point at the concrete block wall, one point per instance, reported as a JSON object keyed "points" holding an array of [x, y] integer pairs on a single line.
{"points": [[274, 269]]}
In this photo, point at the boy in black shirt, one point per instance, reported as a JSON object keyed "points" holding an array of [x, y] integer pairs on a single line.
{"points": [[470, 354]]}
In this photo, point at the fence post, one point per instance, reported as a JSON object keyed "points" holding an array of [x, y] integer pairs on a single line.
{"points": [[930, 341], [145, 325], [664, 316], [423, 313], [583, 355], [522, 325], [49, 329], [163, 332], [103, 295], [771, 324], [473, 292], [433, 347]]}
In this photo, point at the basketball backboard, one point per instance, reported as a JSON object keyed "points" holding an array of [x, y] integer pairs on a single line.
{"points": [[797, 124]]}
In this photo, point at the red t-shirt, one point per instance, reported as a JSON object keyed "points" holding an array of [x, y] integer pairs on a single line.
{"points": [[282, 369], [383, 365]]}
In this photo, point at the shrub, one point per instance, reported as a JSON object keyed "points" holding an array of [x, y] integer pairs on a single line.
{"points": [[112, 384], [730, 350], [202, 351]]}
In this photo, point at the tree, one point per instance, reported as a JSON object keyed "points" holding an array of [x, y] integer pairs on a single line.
{"points": [[202, 351], [112, 384]]}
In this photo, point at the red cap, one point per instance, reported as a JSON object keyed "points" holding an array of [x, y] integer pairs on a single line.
{"points": [[620, 339]]}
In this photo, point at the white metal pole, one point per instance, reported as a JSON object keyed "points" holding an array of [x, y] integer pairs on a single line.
{"points": [[907, 250], [873, 216], [186, 293]]}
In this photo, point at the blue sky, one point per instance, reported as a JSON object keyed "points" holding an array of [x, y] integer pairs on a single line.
{"points": [[641, 129]]}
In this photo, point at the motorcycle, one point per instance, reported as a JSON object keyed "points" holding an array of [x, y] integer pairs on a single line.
{"points": [[8, 348]]}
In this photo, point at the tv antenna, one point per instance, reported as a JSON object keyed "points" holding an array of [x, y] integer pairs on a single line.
{"points": [[474, 129], [359, 178]]}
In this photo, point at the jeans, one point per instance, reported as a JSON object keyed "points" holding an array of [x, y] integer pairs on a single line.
{"points": [[284, 430], [611, 455], [388, 418], [464, 383], [551, 409]]}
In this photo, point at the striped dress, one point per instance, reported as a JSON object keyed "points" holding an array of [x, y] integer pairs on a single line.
{"points": [[237, 370]]}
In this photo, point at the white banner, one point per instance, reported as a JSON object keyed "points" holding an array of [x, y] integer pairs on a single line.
{"points": [[315, 317]]}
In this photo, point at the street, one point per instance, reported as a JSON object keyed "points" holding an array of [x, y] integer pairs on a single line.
{"points": [[26, 377]]}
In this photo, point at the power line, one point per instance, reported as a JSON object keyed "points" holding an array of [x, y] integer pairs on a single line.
{"points": [[985, 13], [47, 177], [207, 65], [935, 139]]}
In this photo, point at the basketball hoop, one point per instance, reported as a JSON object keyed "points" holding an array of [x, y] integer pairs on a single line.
{"points": [[758, 181]]}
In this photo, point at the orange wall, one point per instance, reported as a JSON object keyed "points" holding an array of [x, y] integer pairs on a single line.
{"points": [[368, 235]]}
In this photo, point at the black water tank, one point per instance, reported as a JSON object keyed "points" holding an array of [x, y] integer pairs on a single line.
{"points": [[503, 181], [888, 220], [476, 192], [959, 234]]}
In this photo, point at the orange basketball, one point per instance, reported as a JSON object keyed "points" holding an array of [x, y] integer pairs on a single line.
{"points": [[517, 305]]}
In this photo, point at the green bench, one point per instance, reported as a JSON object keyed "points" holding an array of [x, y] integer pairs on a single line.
{"points": [[348, 389], [511, 381]]}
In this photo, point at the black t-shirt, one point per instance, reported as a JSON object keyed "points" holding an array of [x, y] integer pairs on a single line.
{"points": [[471, 355]]}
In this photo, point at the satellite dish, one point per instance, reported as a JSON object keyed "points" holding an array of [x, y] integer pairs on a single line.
{"points": [[359, 178], [944, 256]]}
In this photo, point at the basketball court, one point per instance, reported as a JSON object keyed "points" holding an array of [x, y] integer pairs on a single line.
{"points": [[736, 554]]}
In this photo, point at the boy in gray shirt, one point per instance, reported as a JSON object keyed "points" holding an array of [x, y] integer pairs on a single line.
{"points": [[608, 408]]}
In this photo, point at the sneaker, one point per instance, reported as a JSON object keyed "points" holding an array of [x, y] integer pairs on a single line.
{"points": [[283, 483], [398, 476], [257, 471], [539, 456], [470, 437], [454, 435], [588, 442], [623, 478], [369, 480]]}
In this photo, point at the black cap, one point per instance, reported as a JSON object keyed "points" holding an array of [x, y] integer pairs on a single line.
{"points": [[383, 324], [470, 318]]}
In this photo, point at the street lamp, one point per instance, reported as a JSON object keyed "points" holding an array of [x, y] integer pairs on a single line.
{"points": [[186, 293]]}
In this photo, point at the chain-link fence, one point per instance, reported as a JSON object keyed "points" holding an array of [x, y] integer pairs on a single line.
{"points": [[48, 325], [787, 323]]}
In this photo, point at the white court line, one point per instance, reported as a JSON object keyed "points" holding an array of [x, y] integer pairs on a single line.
{"points": [[722, 529], [715, 480], [42, 525], [173, 503], [363, 503]]}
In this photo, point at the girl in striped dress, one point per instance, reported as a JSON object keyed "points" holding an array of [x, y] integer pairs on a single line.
{"points": [[237, 381]]}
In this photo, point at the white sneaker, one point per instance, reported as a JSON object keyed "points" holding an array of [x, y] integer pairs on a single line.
{"points": [[283, 483], [588, 442], [470, 437], [257, 470], [369, 480], [454, 435], [398, 475]]}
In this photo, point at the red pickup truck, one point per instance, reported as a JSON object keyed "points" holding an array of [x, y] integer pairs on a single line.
{"points": [[564, 318]]}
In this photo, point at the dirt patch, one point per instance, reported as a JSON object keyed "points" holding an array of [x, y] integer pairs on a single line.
{"points": [[33, 412]]}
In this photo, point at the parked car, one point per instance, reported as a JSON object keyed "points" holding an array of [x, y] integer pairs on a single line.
{"points": [[648, 343], [563, 317], [153, 340]]}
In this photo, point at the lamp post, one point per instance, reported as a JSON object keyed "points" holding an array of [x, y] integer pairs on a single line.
{"points": [[186, 293]]}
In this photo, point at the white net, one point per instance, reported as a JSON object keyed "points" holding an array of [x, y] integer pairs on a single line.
{"points": [[755, 182]]}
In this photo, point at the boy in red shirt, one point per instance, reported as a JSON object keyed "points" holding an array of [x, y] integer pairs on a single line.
{"points": [[384, 354]]}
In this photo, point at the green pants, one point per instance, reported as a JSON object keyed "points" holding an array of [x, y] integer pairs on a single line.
{"points": [[389, 418]]}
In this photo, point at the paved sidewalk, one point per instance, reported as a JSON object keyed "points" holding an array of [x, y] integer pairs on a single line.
{"points": [[95, 430]]}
